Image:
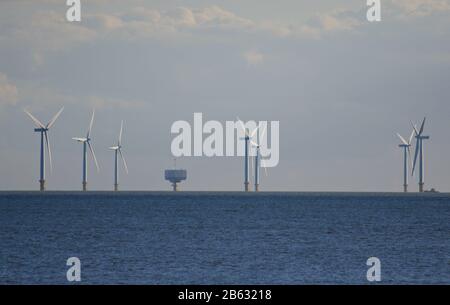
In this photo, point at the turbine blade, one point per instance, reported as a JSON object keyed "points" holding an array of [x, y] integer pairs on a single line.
{"points": [[402, 139], [90, 125], [415, 157], [264, 165], [93, 155], [410, 164], [261, 135], [411, 137], [415, 129], [254, 132], [120, 133], [79, 139], [242, 126], [254, 143], [47, 142], [123, 160], [422, 126], [36, 121], [52, 122]]}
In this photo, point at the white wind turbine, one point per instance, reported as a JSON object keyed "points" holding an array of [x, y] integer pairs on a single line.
{"points": [[87, 143], [118, 150], [406, 146], [247, 139], [258, 159], [43, 130], [420, 153]]}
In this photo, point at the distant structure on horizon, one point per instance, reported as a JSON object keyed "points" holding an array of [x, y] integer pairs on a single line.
{"points": [[118, 151], [175, 176], [419, 154], [87, 144], [247, 138], [248, 158], [43, 130], [406, 147]]}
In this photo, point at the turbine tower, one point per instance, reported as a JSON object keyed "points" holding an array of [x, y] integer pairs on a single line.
{"points": [[258, 159], [247, 139], [118, 150], [87, 143], [420, 153], [406, 146], [43, 130]]}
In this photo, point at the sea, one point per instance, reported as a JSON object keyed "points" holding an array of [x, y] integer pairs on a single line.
{"points": [[224, 238]]}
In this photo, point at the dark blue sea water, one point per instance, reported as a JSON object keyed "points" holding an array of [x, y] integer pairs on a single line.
{"points": [[224, 238]]}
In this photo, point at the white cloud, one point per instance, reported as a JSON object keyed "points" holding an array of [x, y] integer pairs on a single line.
{"points": [[48, 30], [253, 57], [8, 91], [332, 22]]}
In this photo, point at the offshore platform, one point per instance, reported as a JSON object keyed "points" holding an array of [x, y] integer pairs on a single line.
{"points": [[175, 176]]}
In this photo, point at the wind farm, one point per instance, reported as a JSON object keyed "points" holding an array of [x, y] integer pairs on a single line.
{"points": [[253, 159]]}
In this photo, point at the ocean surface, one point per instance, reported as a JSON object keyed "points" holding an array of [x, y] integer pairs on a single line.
{"points": [[224, 238]]}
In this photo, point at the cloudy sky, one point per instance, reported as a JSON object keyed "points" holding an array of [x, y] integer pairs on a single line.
{"points": [[340, 86]]}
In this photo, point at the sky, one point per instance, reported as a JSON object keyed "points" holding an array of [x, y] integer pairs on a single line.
{"points": [[340, 86]]}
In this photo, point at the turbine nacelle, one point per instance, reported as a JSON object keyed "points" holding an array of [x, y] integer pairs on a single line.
{"points": [[41, 129], [423, 137]]}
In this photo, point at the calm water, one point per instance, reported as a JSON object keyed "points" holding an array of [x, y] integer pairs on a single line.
{"points": [[224, 238]]}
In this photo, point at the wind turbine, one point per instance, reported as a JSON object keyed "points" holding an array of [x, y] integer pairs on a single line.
{"points": [[43, 129], [258, 159], [420, 153], [246, 138], [87, 143], [118, 150], [406, 146]]}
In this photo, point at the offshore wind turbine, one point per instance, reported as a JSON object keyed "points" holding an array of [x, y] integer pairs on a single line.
{"points": [[247, 137], [406, 146], [87, 143], [258, 159], [43, 130], [420, 153], [118, 150]]}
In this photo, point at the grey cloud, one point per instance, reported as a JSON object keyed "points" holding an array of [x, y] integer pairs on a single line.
{"points": [[418, 7]]}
